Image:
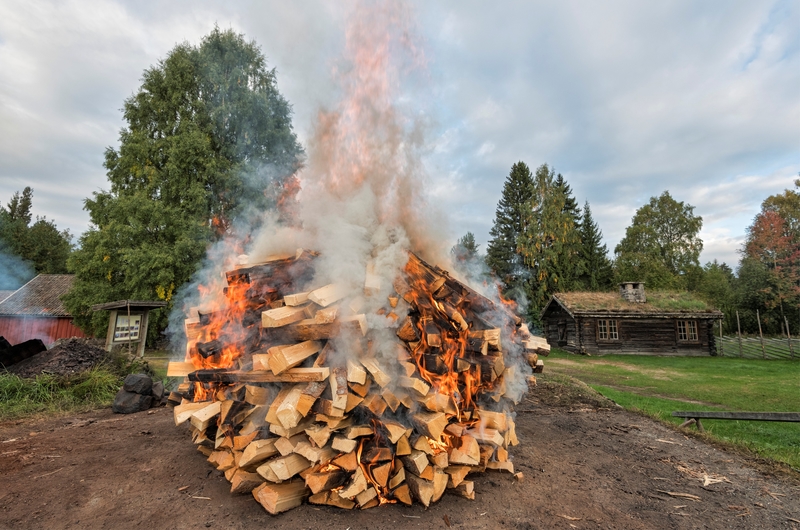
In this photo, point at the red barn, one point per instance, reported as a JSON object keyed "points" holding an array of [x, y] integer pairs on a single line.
{"points": [[35, 311]]}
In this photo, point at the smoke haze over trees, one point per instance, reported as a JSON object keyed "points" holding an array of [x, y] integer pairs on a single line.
{"points": [[27, 249]]}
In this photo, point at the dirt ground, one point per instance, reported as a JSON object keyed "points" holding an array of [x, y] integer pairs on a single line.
{"points": [[586, 465]]}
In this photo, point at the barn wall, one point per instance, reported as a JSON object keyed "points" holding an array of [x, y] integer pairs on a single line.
{"points": [[49, 329]]}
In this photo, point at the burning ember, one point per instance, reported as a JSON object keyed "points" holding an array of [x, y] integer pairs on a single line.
{"points": [[352, 397]]}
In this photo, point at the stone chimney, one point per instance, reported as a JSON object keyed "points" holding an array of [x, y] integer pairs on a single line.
{"points": [[632, 292]]}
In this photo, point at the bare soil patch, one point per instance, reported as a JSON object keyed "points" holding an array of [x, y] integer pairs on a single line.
{"points": [[586, 464]]}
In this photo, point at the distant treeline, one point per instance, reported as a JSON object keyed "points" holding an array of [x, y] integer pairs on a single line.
{"points": [[542, 243]]}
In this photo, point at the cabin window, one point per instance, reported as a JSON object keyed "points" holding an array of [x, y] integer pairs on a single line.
{"points": [[607, 330], [687, 330]]}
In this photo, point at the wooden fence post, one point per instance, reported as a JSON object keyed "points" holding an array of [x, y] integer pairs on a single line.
{"points": [[721, 346], [761, 335], [789, 337], [739, 333]]}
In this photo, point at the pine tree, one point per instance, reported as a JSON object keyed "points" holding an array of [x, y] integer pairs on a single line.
{"points": [[502, 256], [596, 272]]}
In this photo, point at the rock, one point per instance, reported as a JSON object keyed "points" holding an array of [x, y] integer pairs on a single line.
{"points": [[129, 402], [139, 383], [157, 391]]}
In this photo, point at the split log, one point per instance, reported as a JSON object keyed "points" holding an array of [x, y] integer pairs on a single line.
{"points": [[180, 369], [277, 498], [331, 498], [343, 444], [466, 489], [284, 357], [402, 493], [493, 420], [338, 384], [326, 480], [440, 479], [184, 411], [285, 467], [292, 375], [282, 316], [356, 485], [487, 436], [296, 299], [286, 446], [320, 434], [381, 474], [325, 296], [309, 396], [348, 462], [258, 451], [421, 489], [378, 374], [431, 424], [416, 462], [244, 482], [457, 475], [416, 384], [202, 418]]}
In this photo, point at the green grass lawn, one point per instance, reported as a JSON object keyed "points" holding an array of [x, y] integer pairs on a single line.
{"points": [[158, 360], [659, 385]]}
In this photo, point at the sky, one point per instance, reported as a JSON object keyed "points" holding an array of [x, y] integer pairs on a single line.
{"points": [[625, 99]]}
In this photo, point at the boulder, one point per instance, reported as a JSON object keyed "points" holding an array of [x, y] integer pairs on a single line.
{"points": [[157, 391], [138, 383], [129, 402]]}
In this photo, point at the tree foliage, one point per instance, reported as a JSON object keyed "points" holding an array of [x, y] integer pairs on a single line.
{"points": [[465, 249], [37, 248], [661, 245], [502, 256], [770, 268], [596, 272], [549, 242], [208, 136]]}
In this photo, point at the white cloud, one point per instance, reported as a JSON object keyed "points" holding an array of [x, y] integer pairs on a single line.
{"points": [[626, 99]]}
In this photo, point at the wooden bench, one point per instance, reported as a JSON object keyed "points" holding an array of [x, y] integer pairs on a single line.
{"points": [[694, 417]]}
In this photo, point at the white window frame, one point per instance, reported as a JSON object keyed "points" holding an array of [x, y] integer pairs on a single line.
{"points": [[607, 330], [687, 331]]}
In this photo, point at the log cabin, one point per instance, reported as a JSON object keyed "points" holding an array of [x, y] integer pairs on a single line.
{"points": [[630, 322]]}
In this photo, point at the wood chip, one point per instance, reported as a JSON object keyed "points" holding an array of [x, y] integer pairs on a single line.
{"points": [[681, 495]]}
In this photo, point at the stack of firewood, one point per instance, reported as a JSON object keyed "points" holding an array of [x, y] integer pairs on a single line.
{"points": [[295, 396]]}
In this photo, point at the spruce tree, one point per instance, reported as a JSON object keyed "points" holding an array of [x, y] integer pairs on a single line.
{"points": [[549, 242], [596, 272], [465, 249], [502, 256]]}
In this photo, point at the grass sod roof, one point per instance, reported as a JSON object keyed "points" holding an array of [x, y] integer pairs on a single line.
{"points": [[659, 303]]}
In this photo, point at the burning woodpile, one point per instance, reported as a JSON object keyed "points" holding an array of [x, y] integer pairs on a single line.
{"points": [[295, 393]]}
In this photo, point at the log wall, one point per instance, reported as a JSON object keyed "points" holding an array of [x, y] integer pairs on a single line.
{"points": [[658, 336]]}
